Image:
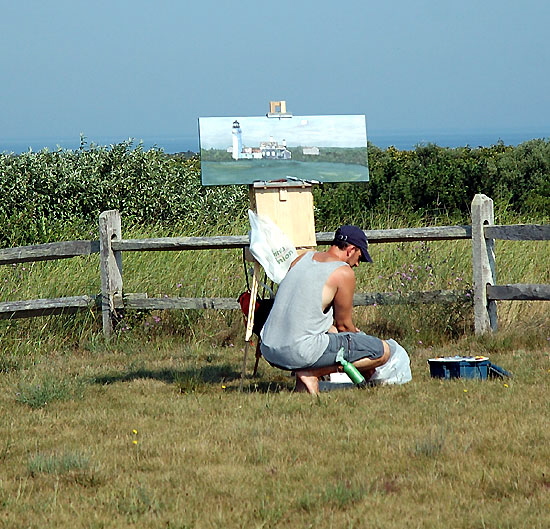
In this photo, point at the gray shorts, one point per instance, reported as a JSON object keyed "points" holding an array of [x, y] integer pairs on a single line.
{"points": [[357, 345]]}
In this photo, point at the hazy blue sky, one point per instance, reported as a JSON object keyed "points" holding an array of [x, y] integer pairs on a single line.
{"points": [[135, 68]]}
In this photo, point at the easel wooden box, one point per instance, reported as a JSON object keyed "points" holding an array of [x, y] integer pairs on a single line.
{"points": [[290, 206]]}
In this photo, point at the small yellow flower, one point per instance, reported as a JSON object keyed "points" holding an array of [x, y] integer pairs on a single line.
{"points": [[135, 442], [134, 432], [223, 387], [505, 385], [465, 391]]}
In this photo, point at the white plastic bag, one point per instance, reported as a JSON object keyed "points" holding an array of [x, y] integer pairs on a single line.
{"points": [[270, 246], [397, 370]]}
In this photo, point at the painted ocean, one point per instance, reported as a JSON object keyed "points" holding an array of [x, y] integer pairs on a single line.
{"points": [[249, 171]]}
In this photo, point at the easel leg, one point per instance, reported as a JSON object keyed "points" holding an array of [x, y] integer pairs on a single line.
{"points": [[250, 318], [243, 369], [258, 356], [252, 305]]}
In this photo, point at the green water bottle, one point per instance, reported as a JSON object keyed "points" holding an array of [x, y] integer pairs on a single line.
{"points": [[350, 370]]}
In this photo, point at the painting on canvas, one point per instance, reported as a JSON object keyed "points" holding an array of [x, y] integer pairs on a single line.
{"points": [[244, 150]]}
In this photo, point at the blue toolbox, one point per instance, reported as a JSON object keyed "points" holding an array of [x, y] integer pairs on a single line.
{"points": [[465, 367]]}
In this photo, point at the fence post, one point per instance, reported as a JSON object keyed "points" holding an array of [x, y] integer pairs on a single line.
{"points": [[110, 267], [484, 271]]}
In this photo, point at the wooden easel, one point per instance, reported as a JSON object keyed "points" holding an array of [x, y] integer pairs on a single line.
{"points": [[289, 204]]}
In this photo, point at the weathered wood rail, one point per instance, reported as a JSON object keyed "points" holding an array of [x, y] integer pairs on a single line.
{"points": [[111, 245], [48, 252]]}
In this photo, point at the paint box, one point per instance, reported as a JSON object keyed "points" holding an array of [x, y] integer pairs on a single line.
{"points": [[459, 367]]}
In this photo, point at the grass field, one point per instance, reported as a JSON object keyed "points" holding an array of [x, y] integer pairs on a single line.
{"points": [[157, 434], [151, 430]]}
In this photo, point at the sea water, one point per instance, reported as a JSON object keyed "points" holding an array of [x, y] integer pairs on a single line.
{"points": [[400, 139]]}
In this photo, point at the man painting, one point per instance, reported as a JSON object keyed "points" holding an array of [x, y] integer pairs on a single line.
{"points": [[311, 319]]}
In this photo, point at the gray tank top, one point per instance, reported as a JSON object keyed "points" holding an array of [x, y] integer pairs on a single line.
{"points": [[294, 335]]}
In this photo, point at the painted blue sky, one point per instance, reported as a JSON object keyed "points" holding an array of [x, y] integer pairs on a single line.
{"points": [[314, 131], [129, 69]]}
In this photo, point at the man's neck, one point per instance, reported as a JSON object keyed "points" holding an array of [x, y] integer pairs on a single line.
{"points": [[332, 254]]}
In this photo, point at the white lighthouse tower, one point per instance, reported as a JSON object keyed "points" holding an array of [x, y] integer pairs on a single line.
{"points": [[237, 140]]}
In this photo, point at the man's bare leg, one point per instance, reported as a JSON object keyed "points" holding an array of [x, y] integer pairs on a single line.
{"points": [[307, 384], [367, 365], [308, 379]]}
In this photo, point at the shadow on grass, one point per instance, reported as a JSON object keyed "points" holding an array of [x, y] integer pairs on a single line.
{"points": [[196, 379], [205, 375]]}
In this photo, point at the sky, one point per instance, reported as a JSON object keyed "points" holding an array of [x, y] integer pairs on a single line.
{"points": [[133, 68]]}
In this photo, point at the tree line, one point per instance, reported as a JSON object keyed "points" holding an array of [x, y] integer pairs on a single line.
{"points": [[45, 192]]}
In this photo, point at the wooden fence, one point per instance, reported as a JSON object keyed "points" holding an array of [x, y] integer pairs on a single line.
{"points": [[111, 245]]}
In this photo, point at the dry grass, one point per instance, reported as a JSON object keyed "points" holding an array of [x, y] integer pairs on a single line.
{"points": [[159, 436], [152, 430]]}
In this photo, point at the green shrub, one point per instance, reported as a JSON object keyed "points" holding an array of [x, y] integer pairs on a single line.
{"points": [[45, 193]]}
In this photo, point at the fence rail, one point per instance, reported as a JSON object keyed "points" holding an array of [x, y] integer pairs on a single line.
{"points": [[48, 252], [45, 307], [110, 246]]}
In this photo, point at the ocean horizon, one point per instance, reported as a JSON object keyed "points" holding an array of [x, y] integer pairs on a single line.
{"points": [[400, 139]]}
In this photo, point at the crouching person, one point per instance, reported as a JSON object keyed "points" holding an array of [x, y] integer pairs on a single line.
{"points": [[311, 319]]}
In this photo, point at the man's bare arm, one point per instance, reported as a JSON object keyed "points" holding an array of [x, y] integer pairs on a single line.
{"points": [[343, 279]]}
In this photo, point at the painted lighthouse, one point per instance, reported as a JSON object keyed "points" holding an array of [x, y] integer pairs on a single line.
{"points": [[271, 150], [237, 140]]}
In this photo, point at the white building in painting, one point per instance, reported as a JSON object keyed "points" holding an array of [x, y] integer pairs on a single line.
{"points": [[311, 151], [273, 150], [269, 150]]}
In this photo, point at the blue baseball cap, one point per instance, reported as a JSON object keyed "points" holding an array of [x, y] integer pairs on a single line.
{"points": [[356, 236]]}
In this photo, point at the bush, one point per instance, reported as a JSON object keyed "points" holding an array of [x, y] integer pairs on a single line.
{"points": [[47, 193]]}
